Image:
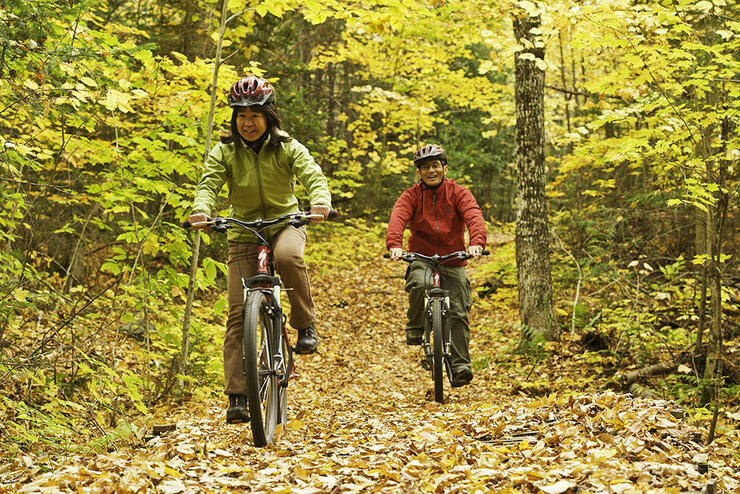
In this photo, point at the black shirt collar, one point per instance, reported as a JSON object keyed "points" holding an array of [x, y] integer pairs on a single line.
{"points": [[257, 145]]}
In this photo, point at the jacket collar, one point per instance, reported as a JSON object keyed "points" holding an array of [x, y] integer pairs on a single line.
{"points": [[424, 186], [258, 144]]}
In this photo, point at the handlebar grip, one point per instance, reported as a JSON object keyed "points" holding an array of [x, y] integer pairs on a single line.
{"points": [[186, 224], [333, 213], [485, 252], [387, 255]]}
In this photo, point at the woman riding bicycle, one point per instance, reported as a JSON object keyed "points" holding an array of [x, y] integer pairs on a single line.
{"points": [[259, 162], [437, 210]]}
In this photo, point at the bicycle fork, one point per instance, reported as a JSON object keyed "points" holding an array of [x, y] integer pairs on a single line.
{"points": [[279, 319], [436, 291]]}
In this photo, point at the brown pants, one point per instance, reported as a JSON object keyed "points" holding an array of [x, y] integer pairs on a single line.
{"points": [[287, 250]]}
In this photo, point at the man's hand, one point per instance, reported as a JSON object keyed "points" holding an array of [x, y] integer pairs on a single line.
{"points": [[322, 210], [475, 250], [197, 218], [396, 252]]}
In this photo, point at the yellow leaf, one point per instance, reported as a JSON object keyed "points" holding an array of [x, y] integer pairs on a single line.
{"points": [[151, 246], [558, 487], [302, 474], [20, 295], [116, 100], [296, 424], [171, 472], [684, 369], [604, 454], [237, 5], [89, 82]]}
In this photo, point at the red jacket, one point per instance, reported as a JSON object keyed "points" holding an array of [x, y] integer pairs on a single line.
{"points": [[437, 219]]}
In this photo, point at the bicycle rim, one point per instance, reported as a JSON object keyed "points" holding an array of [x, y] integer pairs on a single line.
{"points": [[262, 384], [438, 351]]}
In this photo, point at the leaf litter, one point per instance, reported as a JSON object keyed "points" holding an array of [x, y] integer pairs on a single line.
{"points": [[361, 419]]}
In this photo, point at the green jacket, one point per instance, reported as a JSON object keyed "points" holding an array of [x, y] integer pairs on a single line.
{"points": [[260, 185]]}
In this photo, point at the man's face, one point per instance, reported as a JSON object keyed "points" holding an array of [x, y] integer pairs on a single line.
{"points": [[432, 172]]}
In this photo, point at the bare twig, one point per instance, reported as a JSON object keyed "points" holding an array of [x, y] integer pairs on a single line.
{"points": [[578, 285]]}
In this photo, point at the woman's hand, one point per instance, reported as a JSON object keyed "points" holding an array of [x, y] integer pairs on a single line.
{"points": [[322, 210], [197, 218]]}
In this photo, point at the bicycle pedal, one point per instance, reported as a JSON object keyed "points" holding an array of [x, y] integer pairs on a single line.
{"points": [[426, 364]]}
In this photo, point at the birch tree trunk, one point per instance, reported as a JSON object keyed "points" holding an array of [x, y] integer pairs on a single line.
{"points": [[217, 61], [532, 236]]}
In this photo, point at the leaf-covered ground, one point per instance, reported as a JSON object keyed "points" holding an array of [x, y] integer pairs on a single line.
{"points": [[362, 419]]}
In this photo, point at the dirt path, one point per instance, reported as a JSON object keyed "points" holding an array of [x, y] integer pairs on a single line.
{"points": [[361, 418]]}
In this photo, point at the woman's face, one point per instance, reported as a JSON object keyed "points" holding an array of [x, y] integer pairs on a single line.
{"points": [[251, 123]]}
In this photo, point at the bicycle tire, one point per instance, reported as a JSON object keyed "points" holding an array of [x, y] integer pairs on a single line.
{"points": [[262, 383], [438, 350]]}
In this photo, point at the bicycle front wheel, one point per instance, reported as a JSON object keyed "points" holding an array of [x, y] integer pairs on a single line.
{"points": [[438, 350], [262, 383], [285, 368]]}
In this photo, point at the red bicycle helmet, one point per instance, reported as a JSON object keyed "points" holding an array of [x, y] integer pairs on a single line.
{"points": [[428, 152], [251, 90]]}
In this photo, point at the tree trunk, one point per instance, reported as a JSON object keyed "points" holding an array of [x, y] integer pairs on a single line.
{"points": [[701, 239], [185, 344], [532, 231], [715, 236]]}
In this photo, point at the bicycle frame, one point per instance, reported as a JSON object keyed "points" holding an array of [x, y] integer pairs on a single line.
{"points": [[266, 282]]}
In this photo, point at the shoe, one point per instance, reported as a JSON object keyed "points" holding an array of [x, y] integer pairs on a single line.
{"points": [[237, 412], [307, 341], [461, 377], [413, 338]]}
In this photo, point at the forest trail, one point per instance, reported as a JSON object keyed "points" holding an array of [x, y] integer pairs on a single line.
{"points": [[362, 419]]}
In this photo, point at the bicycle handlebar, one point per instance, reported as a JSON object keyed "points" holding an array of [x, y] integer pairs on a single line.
{"points": [[221, 224], [460, 255]]}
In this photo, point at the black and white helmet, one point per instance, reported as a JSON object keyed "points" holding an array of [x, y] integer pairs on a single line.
{"points": [[430, 151]]}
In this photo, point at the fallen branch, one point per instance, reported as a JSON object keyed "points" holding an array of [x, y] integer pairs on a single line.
{"points": [[660, 368]]}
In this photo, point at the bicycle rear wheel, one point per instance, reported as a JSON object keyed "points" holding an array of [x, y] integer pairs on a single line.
{"points": [[262, 382], [438, 350]]}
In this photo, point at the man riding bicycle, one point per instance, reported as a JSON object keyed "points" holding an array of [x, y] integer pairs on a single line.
{"points": [[437, 210]]}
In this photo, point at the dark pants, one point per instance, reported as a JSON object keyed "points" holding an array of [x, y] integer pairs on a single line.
{"points": [[455, 280]]}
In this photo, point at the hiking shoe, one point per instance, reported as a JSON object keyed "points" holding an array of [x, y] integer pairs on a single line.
{"points": [[307, 341], [237, 412], [461, 377], [413, 337]]}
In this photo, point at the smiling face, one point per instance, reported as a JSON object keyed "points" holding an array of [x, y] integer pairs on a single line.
{"points": [[251, 123], [432, 172]]}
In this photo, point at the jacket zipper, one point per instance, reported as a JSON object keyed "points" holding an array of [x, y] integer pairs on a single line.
{"points": [[436, 220], [259, 184]]}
